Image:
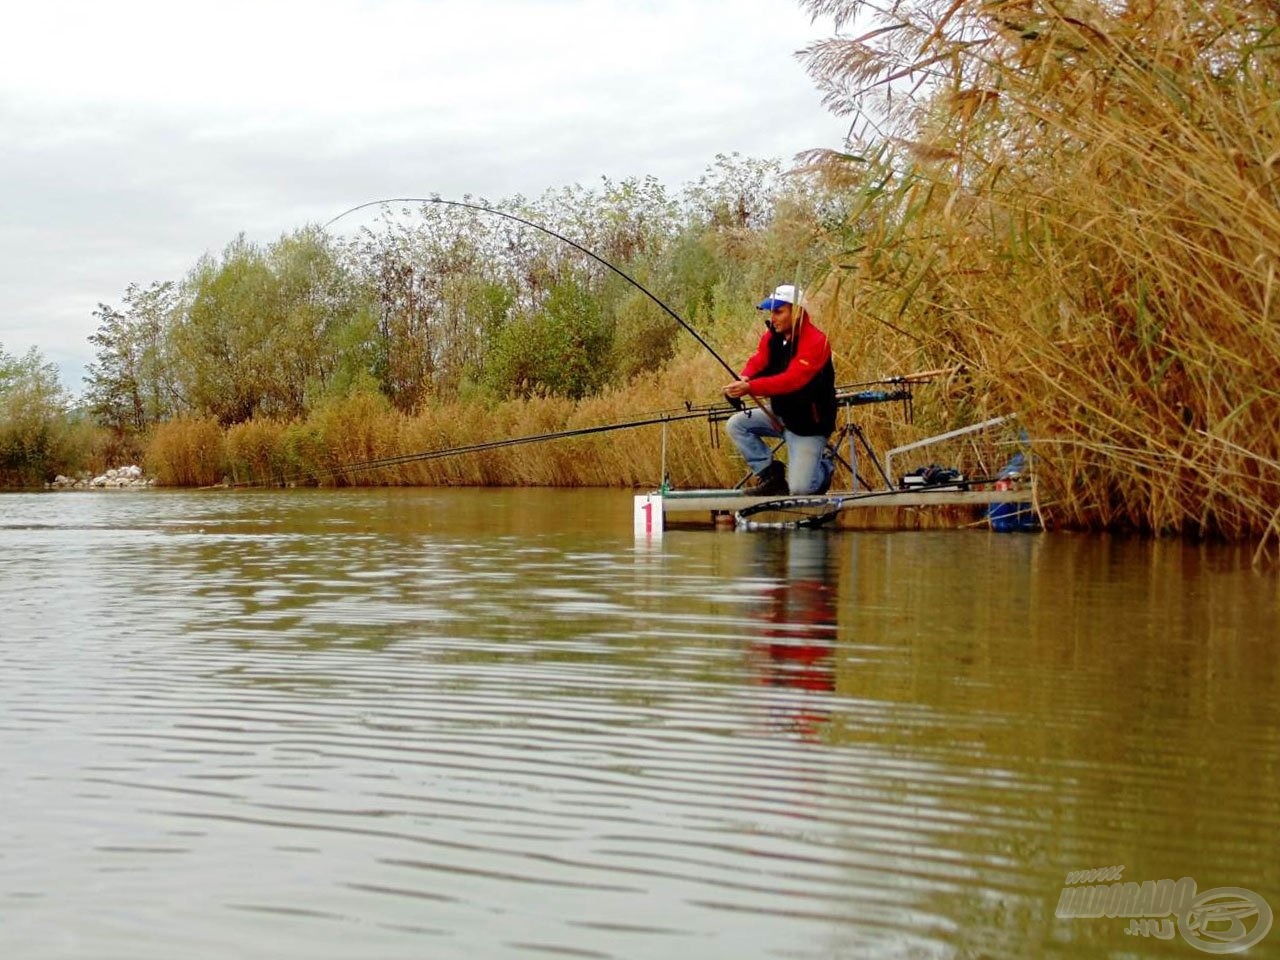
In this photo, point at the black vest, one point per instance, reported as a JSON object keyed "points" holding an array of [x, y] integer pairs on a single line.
{"points": [[811, 410]]}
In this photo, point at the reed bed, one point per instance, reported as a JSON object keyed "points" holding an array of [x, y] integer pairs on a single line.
{"points": [[1083, 220], [334, 445], [257, 451], [187, 452]]}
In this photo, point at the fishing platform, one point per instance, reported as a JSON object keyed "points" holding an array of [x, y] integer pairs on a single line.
{"points": [[1006, 500], [681, 504]]}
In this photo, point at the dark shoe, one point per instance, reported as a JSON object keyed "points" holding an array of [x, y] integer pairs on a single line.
{"points": [[770, 482]]}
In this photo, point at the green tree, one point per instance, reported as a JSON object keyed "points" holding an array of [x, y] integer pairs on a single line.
{"points": [[443, 283], [268, 331], [33, 420], [131, 385], [562, 349], [322, 342], [735, 192]]}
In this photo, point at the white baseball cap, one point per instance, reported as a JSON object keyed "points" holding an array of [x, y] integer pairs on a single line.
{"points": [[787, 293]]}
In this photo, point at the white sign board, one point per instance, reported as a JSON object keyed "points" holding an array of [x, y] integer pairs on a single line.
{"points": [[648, 515]]}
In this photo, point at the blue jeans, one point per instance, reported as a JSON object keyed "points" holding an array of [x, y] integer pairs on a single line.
{"points": [[808, 463]]}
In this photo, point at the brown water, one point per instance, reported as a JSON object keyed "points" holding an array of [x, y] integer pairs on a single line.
{"points": [[392, 724]]}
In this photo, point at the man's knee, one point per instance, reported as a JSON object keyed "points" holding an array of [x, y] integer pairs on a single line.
{"points": [[738, 425]]}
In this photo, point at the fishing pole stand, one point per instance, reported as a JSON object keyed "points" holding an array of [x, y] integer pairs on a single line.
{"points": [[665, 485], [900, 393]]}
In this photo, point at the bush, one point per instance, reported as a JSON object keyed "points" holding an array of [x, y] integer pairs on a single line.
{"points": [[34, 421], [187, 452], [256, 451]]}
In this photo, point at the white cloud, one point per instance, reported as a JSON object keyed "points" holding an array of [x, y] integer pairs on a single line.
{"points": [[140, 135]]}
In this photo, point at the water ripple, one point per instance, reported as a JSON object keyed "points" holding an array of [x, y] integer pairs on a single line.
{"points": [[411, 723]]}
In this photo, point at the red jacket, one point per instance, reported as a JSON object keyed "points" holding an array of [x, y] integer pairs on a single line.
{"points": [[798, 377], [810, 353]]}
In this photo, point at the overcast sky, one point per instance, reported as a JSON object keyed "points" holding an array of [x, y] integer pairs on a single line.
{"points": [[138, 136]]}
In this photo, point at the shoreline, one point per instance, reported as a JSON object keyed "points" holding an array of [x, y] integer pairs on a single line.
{"points": [[128, 477]]}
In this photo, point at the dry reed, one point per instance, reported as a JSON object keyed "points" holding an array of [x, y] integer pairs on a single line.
{"points": [[1092, 241], [257, 452], [187, 452]]}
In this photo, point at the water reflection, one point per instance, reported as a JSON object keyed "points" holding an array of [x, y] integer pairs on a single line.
{"points": [[799, 629]]}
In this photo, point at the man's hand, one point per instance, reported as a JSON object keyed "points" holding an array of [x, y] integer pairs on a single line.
{"points": [[739, 388]]}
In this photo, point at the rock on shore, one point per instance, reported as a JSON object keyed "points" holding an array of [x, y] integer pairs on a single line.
{"points": [[120, 478]]}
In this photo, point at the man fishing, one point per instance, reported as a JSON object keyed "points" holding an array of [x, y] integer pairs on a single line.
{"points": [[792, 367]]}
